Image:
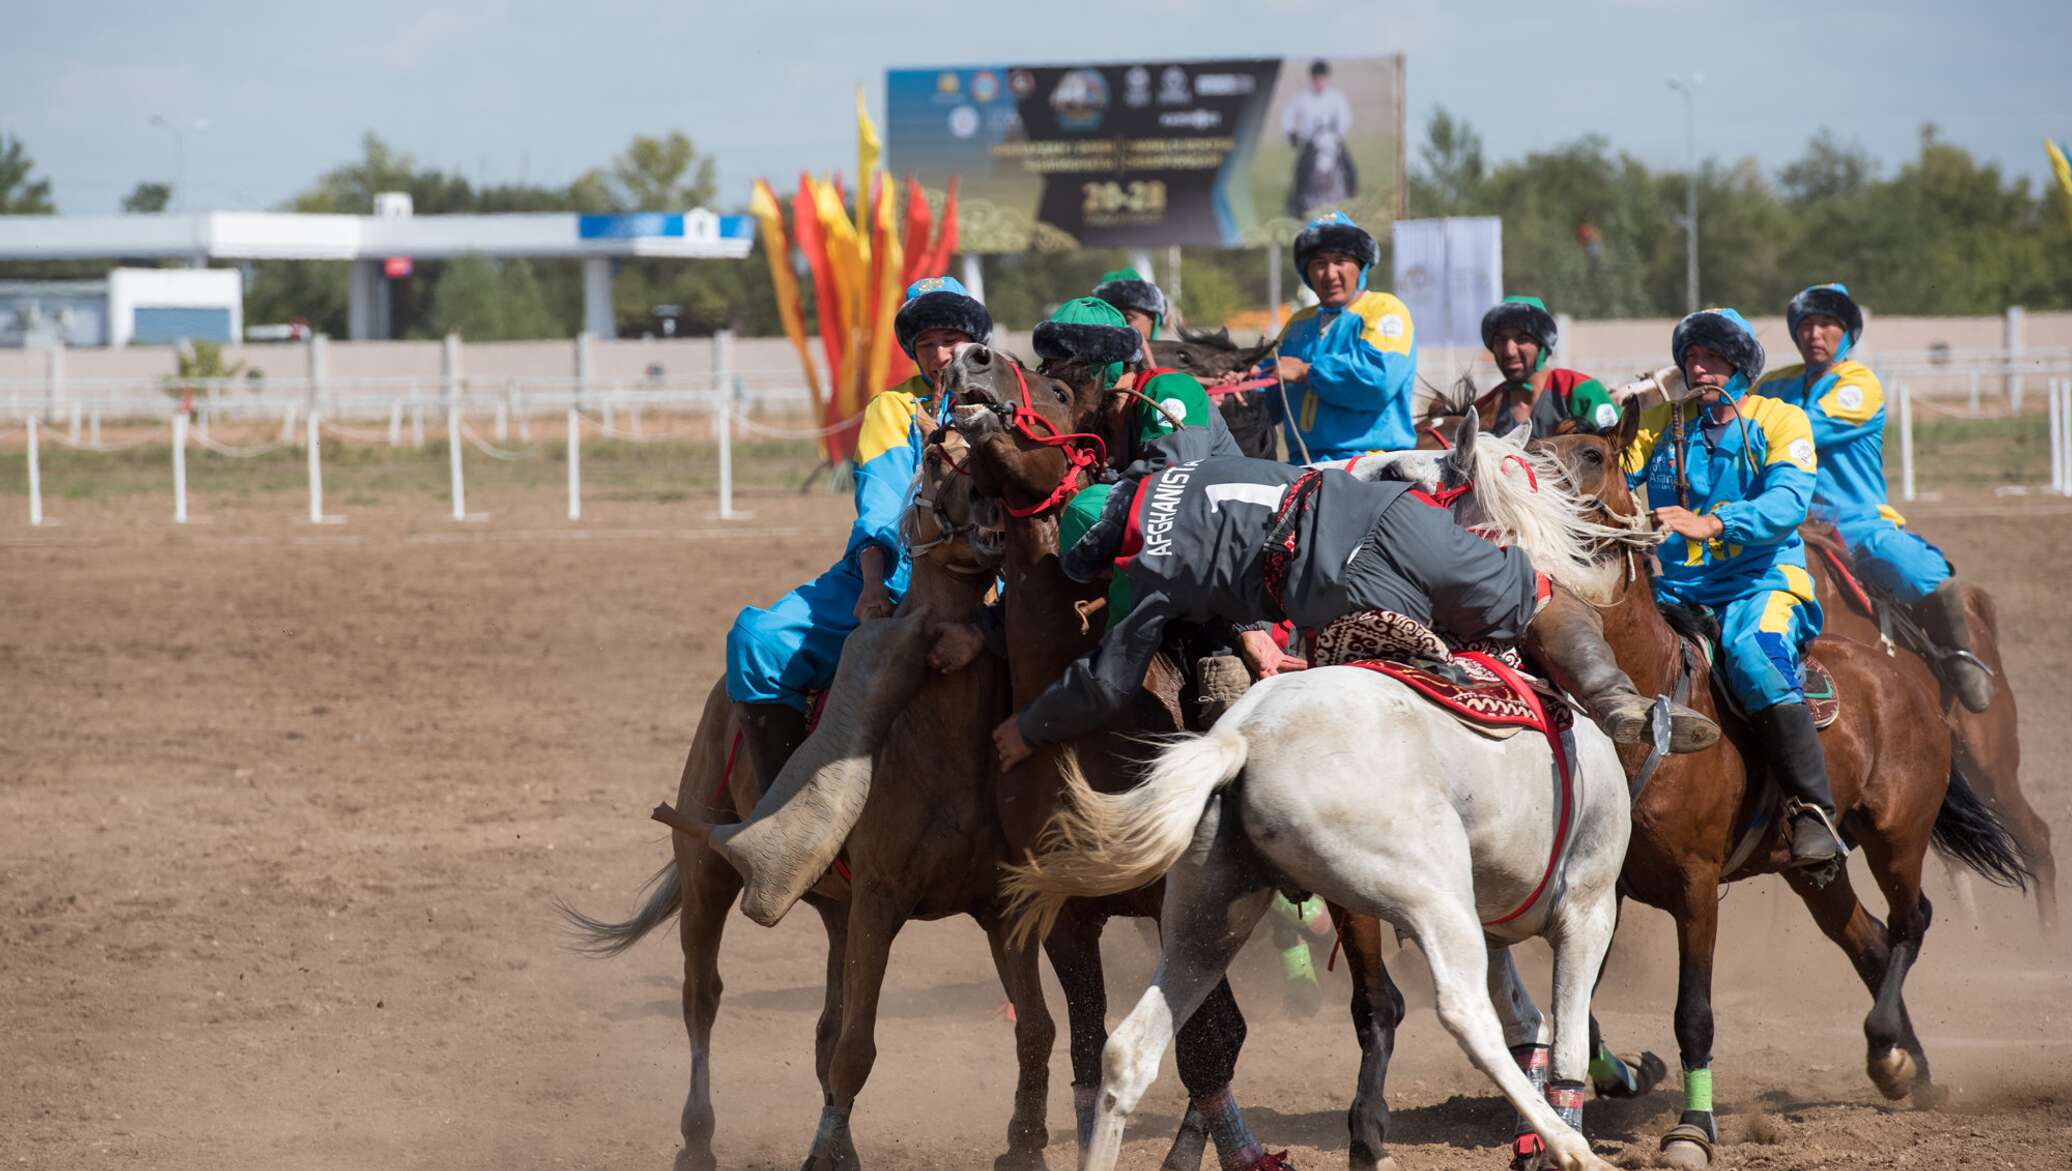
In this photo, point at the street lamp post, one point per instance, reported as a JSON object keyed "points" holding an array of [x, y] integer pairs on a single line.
{"points": [[1688, 87], [179, 152]]}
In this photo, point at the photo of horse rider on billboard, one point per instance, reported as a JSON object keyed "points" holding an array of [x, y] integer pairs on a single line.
{"points": [[1317, 121]]}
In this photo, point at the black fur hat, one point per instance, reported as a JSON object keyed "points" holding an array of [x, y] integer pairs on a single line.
{"points": [[1124, 289], [940, 303], [1101, 345], [1527, 315], [1829, 300], [1723, 330], [1334, 233]]}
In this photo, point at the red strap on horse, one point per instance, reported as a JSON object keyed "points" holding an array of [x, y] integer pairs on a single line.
{"points": [[1432, 429], [1525, 692], [1082, 449]]}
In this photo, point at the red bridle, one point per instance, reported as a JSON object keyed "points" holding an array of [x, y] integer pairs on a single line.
{"points": [[1082, 450]]}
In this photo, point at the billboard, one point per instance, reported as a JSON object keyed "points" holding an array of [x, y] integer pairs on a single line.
{"points": [[1232, 152]]}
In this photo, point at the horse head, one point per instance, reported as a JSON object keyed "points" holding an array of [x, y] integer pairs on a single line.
{"points": [[1593, 466], [949, 524], [1444, 409], [1035, 437], [1207, 354]]}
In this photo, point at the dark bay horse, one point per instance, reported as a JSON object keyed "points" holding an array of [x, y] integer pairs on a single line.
{"points": [[1890, 762], [1988, 743], [1208, 356], [927, 844], [1047, 631]]}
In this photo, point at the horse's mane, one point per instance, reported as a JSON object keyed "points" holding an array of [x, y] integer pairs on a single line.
{"points": [[1526, 498], [1450, 404], [1690, 621], [1219, 338]]}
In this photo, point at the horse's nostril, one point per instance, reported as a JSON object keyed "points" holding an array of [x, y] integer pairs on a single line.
{"points": [[979, 356]]}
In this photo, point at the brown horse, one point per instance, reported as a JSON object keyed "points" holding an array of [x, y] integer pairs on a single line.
{"points": [[1209, 356], [1046, 631], [1989, 749], [1890, 762], [926, 845]]}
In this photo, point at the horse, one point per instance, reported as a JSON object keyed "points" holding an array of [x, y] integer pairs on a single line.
{"points": [[925, 847], [1988, 743], [1702, 820], [1322, 177], [1208, 356]]}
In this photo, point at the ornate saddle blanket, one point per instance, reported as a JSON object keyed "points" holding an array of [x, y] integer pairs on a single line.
{"points": [[1474, 683]]}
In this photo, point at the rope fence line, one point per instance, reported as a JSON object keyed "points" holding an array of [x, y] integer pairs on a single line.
{"points": [[508, 455]]}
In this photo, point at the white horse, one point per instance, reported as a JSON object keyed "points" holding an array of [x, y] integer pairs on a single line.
{"points": [[1342, 781]]}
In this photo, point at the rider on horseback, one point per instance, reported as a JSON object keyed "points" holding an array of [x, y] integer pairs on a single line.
{"points": [[1520, 334], [1733, 479], [1142, 304], [1244, 542], [1846, 406], [1352, 357], [777, 657]]}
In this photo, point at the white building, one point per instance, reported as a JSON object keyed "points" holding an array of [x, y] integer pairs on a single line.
{"points": [[144, 306]]}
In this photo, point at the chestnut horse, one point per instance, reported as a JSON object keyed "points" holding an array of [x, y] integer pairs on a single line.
{"points": [[1889, 760], [1988, 743]]}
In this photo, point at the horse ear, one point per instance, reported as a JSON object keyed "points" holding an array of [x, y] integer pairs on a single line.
{"points": [[1223, 338], [1460, 458], [1629, 428]]}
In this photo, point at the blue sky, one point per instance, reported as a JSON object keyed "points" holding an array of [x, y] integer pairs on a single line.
{"points": [[501, 90]]}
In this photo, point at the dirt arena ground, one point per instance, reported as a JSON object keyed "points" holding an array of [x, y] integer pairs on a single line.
{"points": [[283, 811]]}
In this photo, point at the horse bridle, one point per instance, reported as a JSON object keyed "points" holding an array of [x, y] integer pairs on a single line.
{"points": [[946, 531], [1082, 449]]}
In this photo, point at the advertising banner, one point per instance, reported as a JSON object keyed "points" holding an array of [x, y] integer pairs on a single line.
{"points": [[1449, 272], [1232, 153]]}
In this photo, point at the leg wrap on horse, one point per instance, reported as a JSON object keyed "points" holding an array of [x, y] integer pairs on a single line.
{"points": [[1525, 1141], [1236, 1149]]}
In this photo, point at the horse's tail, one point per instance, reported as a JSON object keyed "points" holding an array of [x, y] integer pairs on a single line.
{"points": [[1968, 831], [605, 939], [1108, 843]]}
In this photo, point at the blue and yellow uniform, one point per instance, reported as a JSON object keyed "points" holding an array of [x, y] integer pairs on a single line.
{"points": [[1758, 480], [785, 652], [1362, 360], [1847, 408]]}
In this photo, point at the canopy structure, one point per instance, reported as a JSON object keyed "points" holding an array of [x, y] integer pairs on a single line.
{"points": [[369, 242]]}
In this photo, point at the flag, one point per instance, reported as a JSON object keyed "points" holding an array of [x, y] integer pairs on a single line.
{"points": [[2064, 173], [887, 363], [827, 298], [763, 205], [946, 235], [867, 151], [846, 261], [914, 235]]}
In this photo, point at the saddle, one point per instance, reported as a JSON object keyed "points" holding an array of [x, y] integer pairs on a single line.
{"points": [[1482, 685]]}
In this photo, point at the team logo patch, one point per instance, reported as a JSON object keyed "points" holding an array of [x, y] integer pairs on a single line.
{"points": [[1175, 409], [1849, 398], [1605, 415], [1801, 452], [1390, 325]]}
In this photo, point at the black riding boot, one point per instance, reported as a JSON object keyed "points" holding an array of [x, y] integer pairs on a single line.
{"points": [[773, 731], [1567, 640], [1942, 615], [1800, 769]]}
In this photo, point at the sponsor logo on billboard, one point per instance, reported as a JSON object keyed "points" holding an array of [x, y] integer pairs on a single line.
{"points": [[1081, 97]]}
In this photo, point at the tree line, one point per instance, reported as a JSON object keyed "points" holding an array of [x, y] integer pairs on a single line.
{"points": [[1594, 231]]}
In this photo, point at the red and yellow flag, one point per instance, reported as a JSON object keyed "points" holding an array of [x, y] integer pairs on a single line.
{"points": [[827, 299], [888, 363], [2063, 171], [770, 218]]}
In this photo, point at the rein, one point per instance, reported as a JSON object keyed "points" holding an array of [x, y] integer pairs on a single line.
{"points": [[1082, 449]]}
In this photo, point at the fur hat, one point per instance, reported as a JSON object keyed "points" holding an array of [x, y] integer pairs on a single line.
{"points": [[1829, 300], [1726, 331], [1335, 232], [1088, 329], [940, 302], [1125, 289], [1527, 315]]}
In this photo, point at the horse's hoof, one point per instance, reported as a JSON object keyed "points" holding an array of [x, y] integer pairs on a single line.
{"points": [[1354, 1162], [1929, 1096], [1021, 1159], [689, 1160], [1892, 1072], [1687, 1148]]}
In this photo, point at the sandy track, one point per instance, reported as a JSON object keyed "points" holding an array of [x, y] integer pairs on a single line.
{"points": [[283, 810]]}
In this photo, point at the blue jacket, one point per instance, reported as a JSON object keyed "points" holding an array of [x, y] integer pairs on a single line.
{"points": [[1362, 368], [888, 451], [1761, 501], [1846, 407]]}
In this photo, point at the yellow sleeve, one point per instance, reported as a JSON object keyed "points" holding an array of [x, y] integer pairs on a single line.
{"points": [[1386, 320], [1654, 423], [1299, 315], [1855, 397], [886, 421], [1786, 429]]}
